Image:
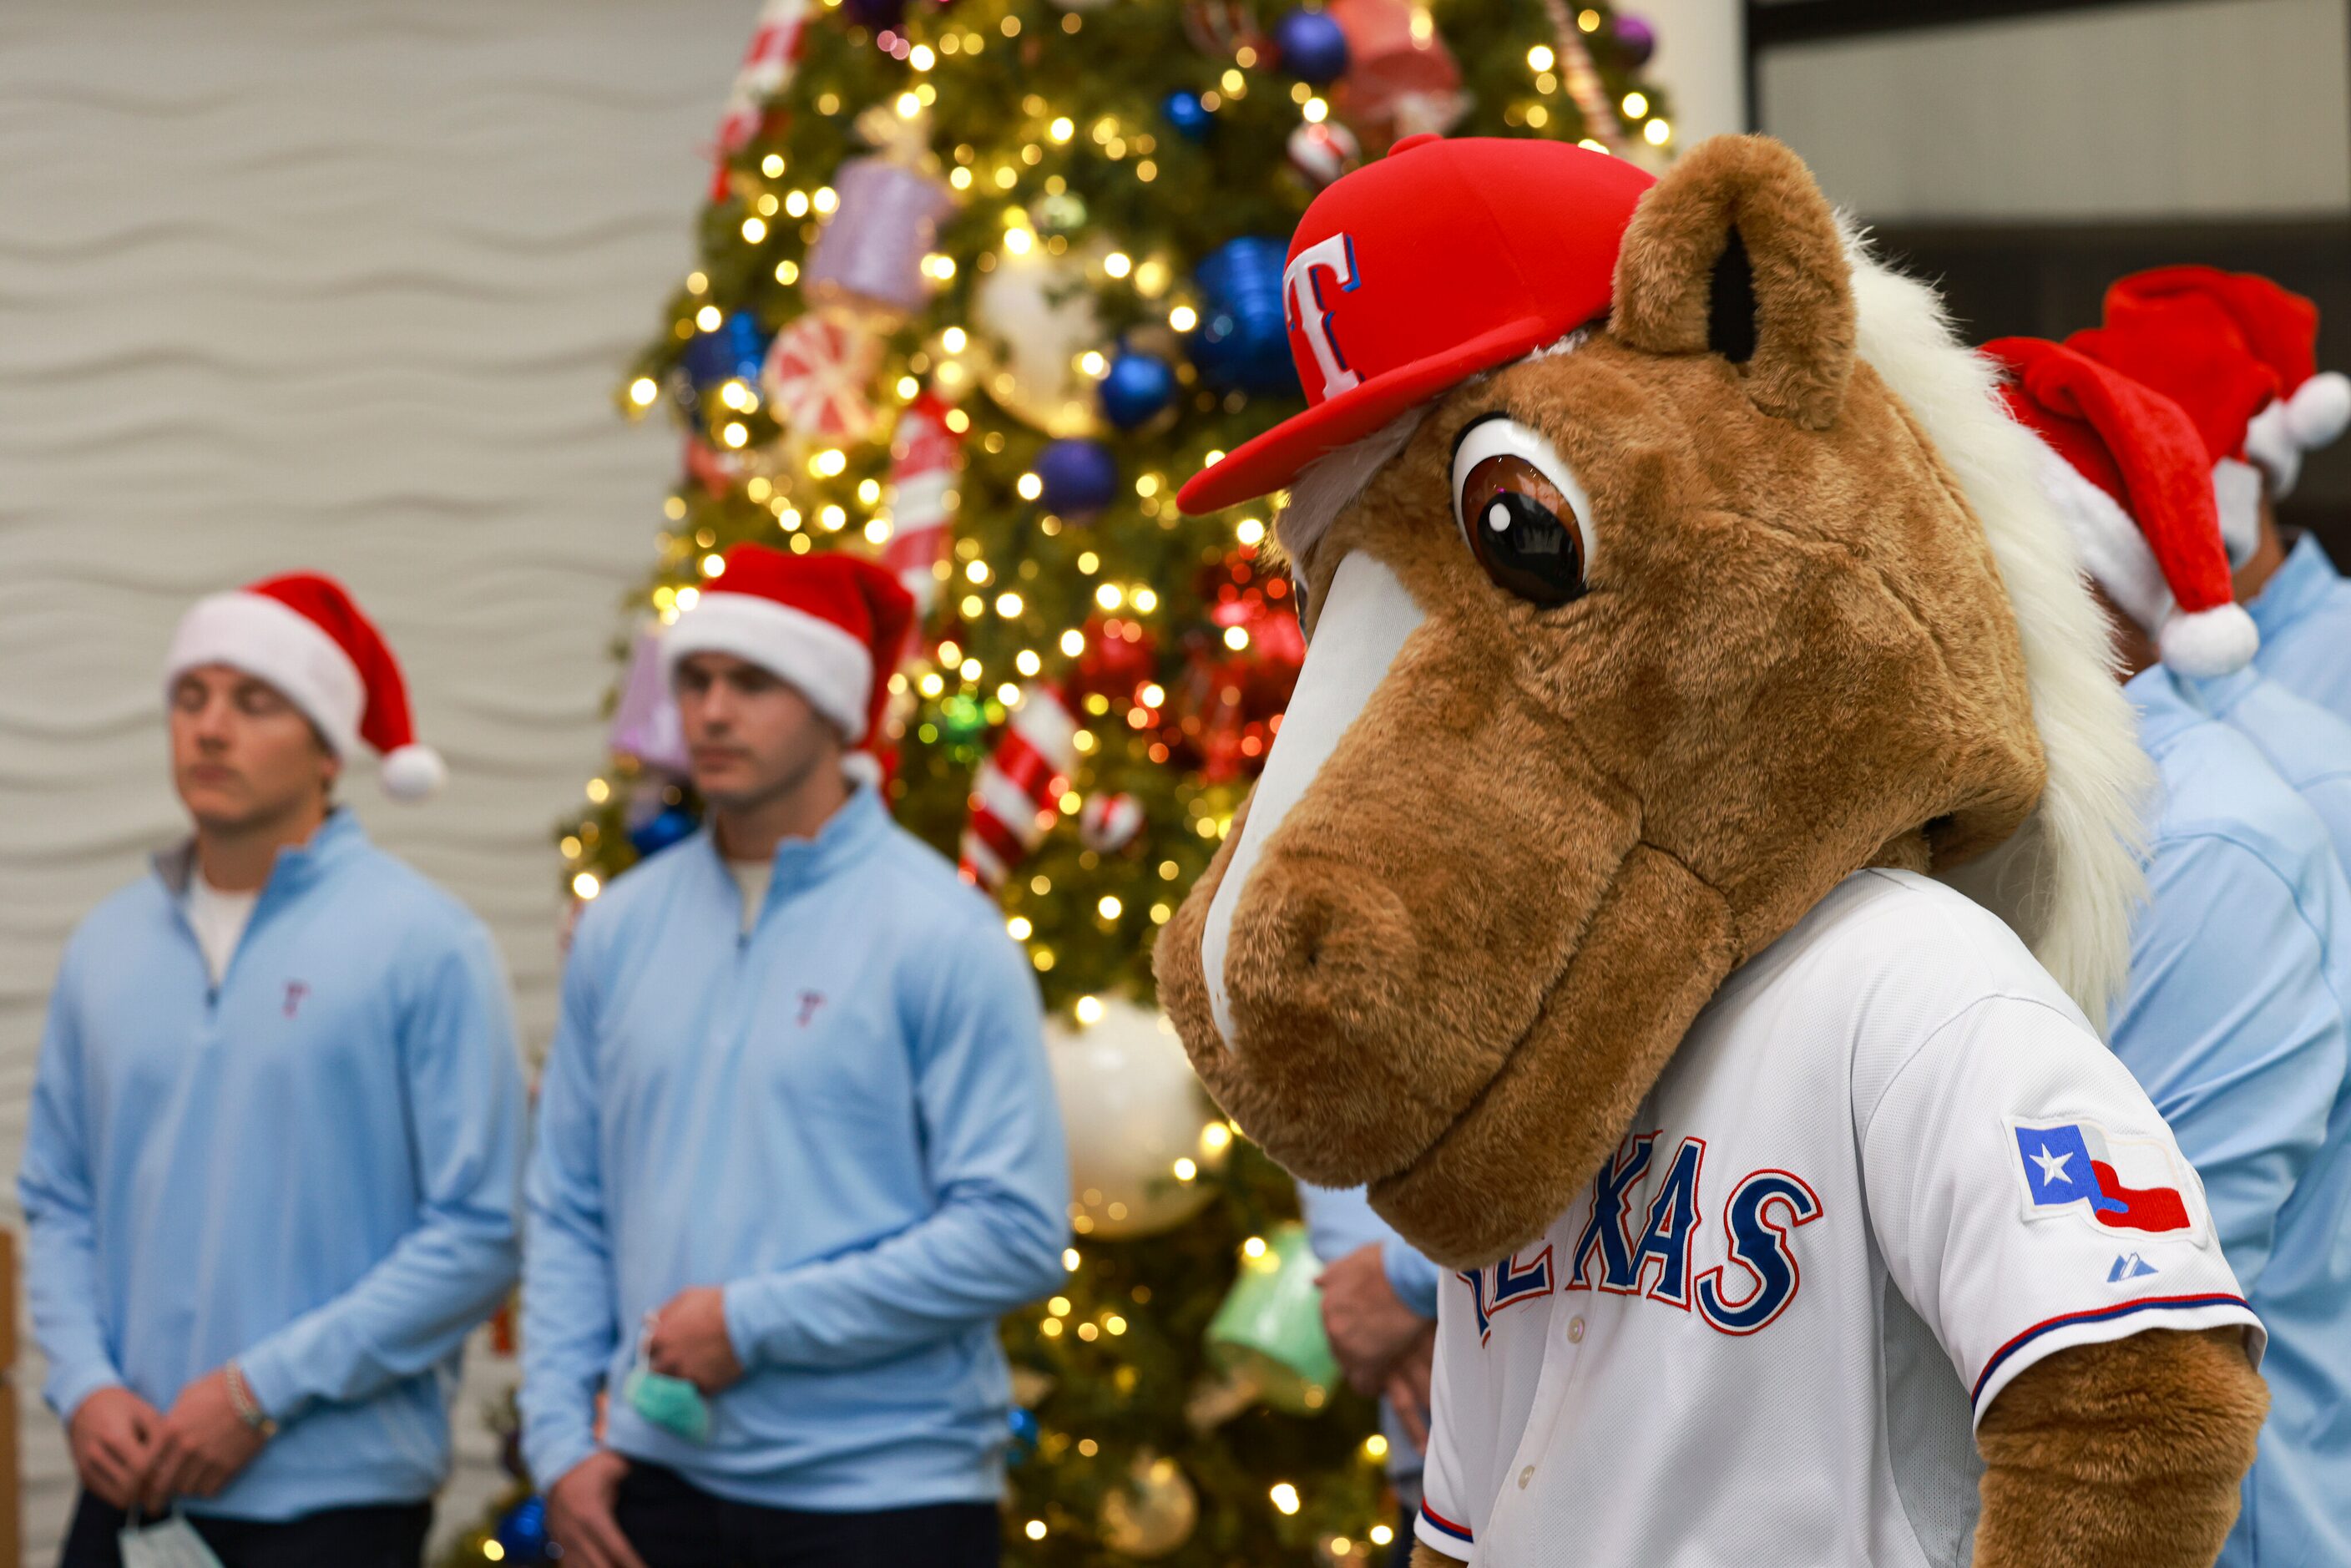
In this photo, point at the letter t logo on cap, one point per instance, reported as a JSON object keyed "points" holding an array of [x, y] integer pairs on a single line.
{"points": [[1335, 255]]}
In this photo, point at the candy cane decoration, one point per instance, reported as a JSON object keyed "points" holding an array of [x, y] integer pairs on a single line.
{"points": [[767, 67], [1017, 790], [1582, 80], [923, 456]]}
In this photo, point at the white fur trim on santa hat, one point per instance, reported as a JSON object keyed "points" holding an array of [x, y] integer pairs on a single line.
{"points": [[2113, 552], [2216, 641], [275, 642], [829, 665], [2270, 441], [2237, 492], [2321, 407]]}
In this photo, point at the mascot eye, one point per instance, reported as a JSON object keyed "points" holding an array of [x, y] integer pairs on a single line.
{"points": [[1526, 519]]}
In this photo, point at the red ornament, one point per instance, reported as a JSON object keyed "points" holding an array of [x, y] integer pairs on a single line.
{"points": [[1120, 656], [1109, 823], [1227, 705]]}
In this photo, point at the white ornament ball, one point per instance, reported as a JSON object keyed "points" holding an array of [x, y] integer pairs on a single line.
{"points": [[1132, 1110], [1109, 823], [1039, 311], [1323, 150]]}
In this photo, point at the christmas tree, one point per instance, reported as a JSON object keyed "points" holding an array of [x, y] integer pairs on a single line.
{"points": [[981, 284]]}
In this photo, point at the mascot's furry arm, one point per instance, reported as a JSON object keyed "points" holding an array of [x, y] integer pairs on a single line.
{"points": [[2121, 1455]]}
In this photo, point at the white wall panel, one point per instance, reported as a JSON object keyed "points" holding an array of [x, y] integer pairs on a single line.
{"points": [[2218, 109], [334, 285]]}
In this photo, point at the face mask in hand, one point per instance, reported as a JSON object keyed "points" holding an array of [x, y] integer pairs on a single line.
{"points": [[173, 1543], [672, 1403]]}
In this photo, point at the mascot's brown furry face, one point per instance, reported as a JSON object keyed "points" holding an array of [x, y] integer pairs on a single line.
{"points": [[1550, 790]]}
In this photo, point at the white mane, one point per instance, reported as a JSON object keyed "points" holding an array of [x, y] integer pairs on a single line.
{"points": [[2069, 880]]}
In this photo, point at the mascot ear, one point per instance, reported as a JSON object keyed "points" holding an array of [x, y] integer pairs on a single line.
{"points": [[1735, 253]]}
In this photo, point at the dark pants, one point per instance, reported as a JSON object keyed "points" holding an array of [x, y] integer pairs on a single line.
{"points": [[389, 1536], [674, 1524]]}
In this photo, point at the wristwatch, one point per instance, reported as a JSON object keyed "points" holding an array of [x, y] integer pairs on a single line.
{"points": [[248, 1408]]}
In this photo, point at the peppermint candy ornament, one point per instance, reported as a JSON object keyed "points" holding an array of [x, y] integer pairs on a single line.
{"points": [[818, 372], [1107, 823], [1323, 150], [1014, 794]]}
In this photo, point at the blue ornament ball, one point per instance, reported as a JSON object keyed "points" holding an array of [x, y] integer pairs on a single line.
{"points": [[1081, 477], [1188, 114], [1311, 46], [1242, 343], [662, 829], [1024, 1434], [734, 350], [1137, 387], [523, 1531]]}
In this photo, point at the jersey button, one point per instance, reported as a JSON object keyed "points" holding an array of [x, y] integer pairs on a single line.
{"points": [[1575, 1331], [1525, 1476]]}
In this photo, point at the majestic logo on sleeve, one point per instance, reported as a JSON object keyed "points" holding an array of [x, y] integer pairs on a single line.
{"points": [[1640, 1236], [2117, 1183], [1326, 262]]}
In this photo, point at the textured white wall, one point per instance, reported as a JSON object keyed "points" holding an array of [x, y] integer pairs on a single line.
{"points": [[2210, 109], [336, 285]]}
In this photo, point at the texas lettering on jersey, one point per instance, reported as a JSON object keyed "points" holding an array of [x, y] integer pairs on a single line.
{"points": [[1656, 1254]]}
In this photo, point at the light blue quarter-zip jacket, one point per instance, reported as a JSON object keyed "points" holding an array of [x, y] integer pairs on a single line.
{"points": [[2234, 1021], [844, 1118], [313, 1168]]}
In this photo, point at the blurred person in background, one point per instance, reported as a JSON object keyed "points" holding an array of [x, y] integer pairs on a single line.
{"points": [[797, 1146], [271, 1171]]}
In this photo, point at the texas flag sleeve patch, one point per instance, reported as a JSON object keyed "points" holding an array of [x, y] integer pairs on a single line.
{"points": [[2117, 1183]]}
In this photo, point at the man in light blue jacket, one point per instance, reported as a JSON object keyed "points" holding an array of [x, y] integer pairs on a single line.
{"points": [[797, 1144], [272, 1170], [1379, 1308], [2233, 1016]]}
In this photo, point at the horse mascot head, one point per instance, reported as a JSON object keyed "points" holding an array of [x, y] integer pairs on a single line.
{"points": [[1675, 578]]}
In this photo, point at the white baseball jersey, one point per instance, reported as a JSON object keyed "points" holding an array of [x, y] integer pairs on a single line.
{"points": [[1891, 1167]]}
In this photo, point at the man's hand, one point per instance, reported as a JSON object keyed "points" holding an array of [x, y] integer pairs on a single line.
{"points": [[579, 1513], [1407, 1387], [201, 1444], [113, 1439], [689, 1340], [1368, 1326]]}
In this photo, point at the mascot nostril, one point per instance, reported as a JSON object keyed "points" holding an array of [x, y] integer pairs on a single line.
{"points": [[1685, 883]]}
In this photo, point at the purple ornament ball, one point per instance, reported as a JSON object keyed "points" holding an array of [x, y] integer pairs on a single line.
{"points": [[1637, 40]]}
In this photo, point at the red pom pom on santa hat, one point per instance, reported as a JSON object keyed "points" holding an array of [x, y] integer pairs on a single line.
{"points": [[2129, 471], [831, 625], [304, 634]]}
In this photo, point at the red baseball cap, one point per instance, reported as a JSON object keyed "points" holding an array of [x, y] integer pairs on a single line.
{"points": [[1444, 259]]}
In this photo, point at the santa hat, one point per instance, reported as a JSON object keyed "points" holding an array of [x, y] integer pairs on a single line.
{"points": [[2127, 470], [2189, 350], [302, 633], [2280, 328], [832, 625]]}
